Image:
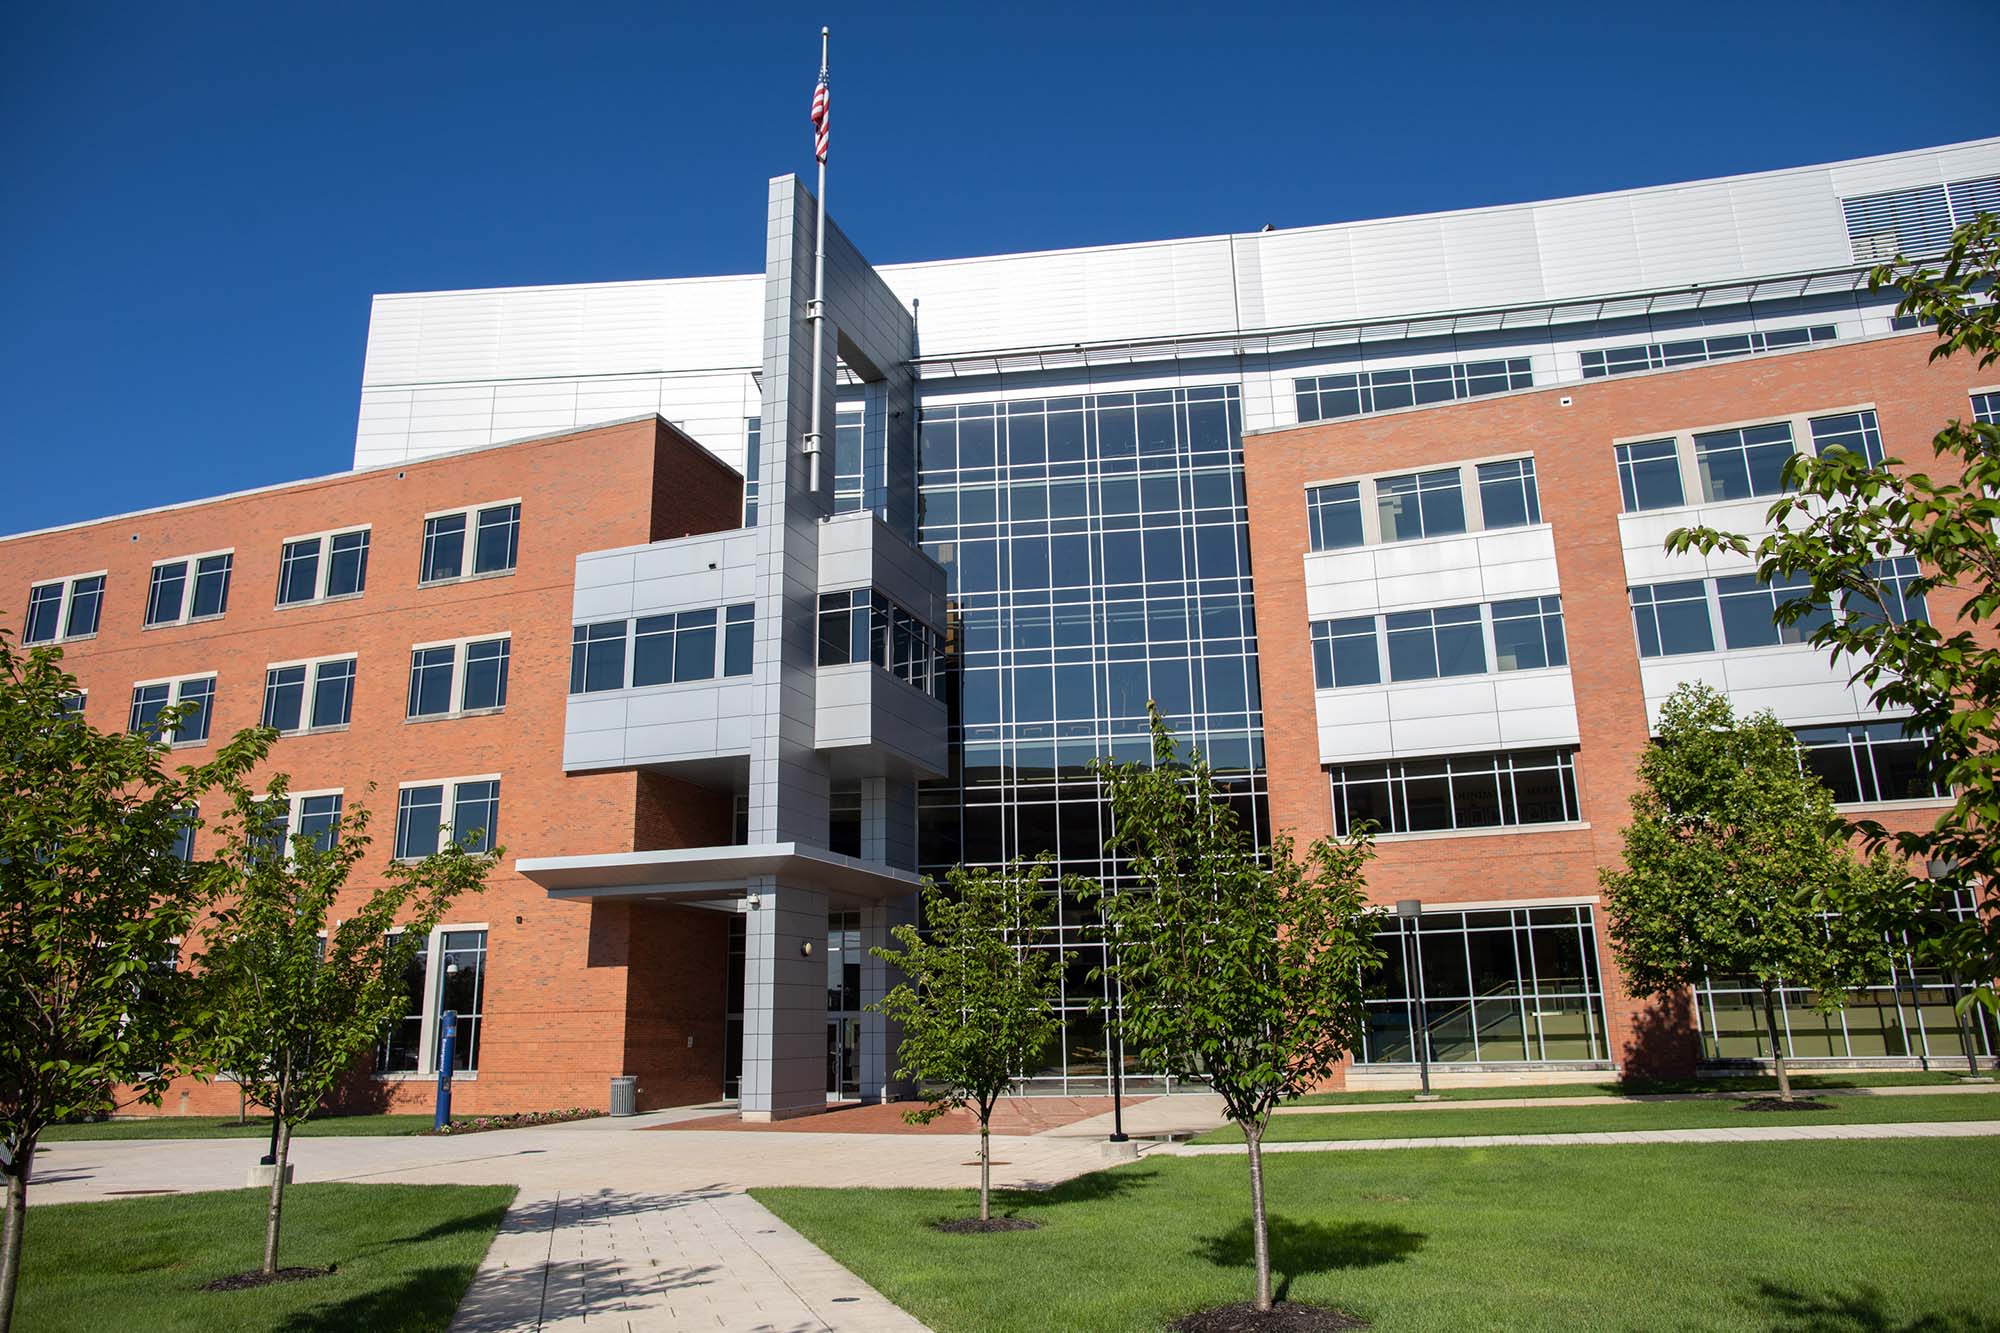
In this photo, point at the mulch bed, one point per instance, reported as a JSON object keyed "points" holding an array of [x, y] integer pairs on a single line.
{"points": [[1284, 1317], [518, 1120], [1780, 1104], [245, 1281], [972, 1226]]}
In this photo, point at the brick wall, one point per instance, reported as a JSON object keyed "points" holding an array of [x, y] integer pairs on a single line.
{"points": [[556, 1017], [1570, 432]]}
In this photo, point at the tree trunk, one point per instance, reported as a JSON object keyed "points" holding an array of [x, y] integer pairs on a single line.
{"points": [[1260, 1235], [985, 1172], [17, 1222], [277, 1197], [1777, 1046]]}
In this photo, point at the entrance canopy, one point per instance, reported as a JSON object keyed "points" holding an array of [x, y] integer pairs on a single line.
{"points": [[701, 873]]}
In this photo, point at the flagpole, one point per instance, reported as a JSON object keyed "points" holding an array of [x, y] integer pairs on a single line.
{"points": [[816, 310]]}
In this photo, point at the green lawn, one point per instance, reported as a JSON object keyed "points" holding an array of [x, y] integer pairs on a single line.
{"points": [[225, 1127], [1722, 1113], [403, 1255], [1638, 1088], [1835, 1237]]}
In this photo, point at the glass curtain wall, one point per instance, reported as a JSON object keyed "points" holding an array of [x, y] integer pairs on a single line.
{"points": [[1098, 555], [1519, 985]]}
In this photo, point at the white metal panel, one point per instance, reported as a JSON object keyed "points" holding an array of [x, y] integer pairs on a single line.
{"points": [[1399, 267], [1589, 247], [1492, 258]]}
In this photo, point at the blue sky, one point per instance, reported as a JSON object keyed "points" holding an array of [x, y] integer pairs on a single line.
{"points": [[196, 201]]}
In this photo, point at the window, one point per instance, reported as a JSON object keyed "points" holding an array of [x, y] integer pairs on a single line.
{"points": [[1904, 603], [175, 597], [1749, 607], [1863, 762], [1601, 361], [1511, 985], [495, 532], [63, 609], [1528, 634], [753, 433], [1456, 793], [466, 810], [1738, 464], [314, 816], [414, 1043], [1672, 618], [1853, 431], [328, 565], [151, 698], [1327, 397], [738, 638], [460, 677], [1986, 407], [307, 696], [861, 625], [1344, 653], [1420, 504], [1649, 476], [1507, 497], [844, 627], [672, 648], [1425, 645], [597, 657], [1333, 516], [183, 848]]}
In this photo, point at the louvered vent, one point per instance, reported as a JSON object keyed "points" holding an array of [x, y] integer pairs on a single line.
{"points": [[1915, 221]]}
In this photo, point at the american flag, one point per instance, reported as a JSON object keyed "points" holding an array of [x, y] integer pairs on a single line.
{"points": [[819, 116]]}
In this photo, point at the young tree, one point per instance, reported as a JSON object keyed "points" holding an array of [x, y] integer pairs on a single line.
{"points": [[978, 1003], [1237, 967], [292, 994], [1840, 520], [93, 902], [1731, 848]]}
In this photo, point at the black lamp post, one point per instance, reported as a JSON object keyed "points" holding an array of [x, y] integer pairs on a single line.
{"points": [[1409, 909], [1114, 1050]]}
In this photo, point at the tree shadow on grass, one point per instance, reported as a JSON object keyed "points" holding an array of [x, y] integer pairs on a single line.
{"points": [[1299, 1248], [1862, 1310], [422, 1298], [1096, 1187]]}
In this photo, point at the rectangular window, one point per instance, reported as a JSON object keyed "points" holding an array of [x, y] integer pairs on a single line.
{"points": [[465, 810], [495, 536], [1672, 618], [414, 1044], [311, 815], [1649, 476], [486, 663], [153, 697], [475, 814], [63, 609], [738, 638], [694, 646], [329, 564], [1627, 360], [597, 657], [317, 819], [1456, 793], [419, 821], [1420, 504], [1333, 516], [431, 671], [309, 695], [1528, 634], [1900, 602], [1986, 408], [1865, 762], [195, 588], [836, 613], [653, 650], [1344, 653], [1328, 397], [1507, 496], [1739, 464], [1426, 645], [1749, 607], [1855, 432], [753, 437]]}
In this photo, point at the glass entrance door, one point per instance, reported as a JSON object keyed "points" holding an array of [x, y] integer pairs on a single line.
{"points": [[843, 1005]]}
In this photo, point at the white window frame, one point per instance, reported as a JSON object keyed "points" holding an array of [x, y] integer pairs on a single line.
{"points": [[427, 1050], [1693, 495], [312, 666], [174, 686], [192, 563], [68, 582], [294, 800], [471, 513], [325, 566], [459, 647], [447, 809], [1468, 493]]}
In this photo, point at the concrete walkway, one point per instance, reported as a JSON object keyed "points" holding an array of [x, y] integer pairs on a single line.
{"points": [[1492, 1103], [1945, 1129]]}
